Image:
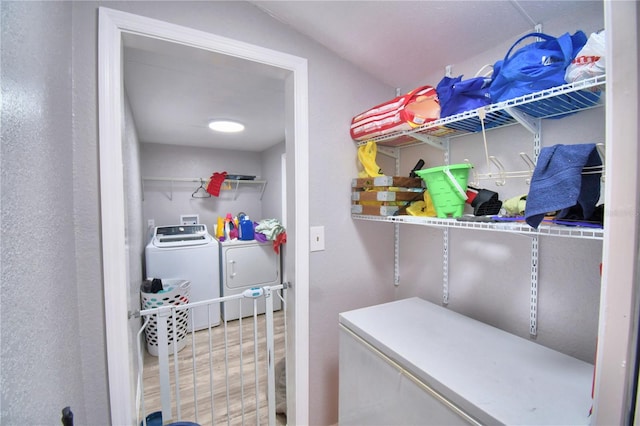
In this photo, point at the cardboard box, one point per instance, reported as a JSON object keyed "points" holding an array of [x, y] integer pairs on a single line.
{"points": [[384, 195]]}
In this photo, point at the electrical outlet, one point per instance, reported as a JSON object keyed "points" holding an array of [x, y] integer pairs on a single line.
{"points": [[316, 235], [151, 223]]}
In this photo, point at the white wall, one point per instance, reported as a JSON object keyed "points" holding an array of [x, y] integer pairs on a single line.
{"points": [[42, 355], [165, 205]]}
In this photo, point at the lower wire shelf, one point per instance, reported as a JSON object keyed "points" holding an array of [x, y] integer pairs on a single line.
{"points": [[552, 230]]}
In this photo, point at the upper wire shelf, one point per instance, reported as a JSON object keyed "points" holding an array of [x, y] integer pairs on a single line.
{"points": [[554, 102]]}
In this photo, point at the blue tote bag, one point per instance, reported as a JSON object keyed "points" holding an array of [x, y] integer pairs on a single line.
{"points": [[457, 95], [536, 66]]}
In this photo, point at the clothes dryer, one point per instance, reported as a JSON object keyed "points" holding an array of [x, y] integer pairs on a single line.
{"points": [[246, 264], [188, 252]]}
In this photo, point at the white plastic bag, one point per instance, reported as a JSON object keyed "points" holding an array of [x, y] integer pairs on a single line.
{"points": [[590, 61]]}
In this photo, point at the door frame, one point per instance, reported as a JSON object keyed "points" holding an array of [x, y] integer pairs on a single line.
{"points": [[617, 353], [112, 25]]}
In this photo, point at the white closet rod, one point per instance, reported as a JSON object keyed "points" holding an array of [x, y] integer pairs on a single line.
{"points": [[171, 179], [198, 180], [201, 181]]}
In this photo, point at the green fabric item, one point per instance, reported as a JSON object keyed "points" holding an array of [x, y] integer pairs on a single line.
{"points": [[515, 206], [270, 228]]}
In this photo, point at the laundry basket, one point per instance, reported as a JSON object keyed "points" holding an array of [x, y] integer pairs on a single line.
{"points": [[447, 186], [175, 292]]}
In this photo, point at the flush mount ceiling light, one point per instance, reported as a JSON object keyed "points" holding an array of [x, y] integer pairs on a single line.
{"points": [[226, 126]]}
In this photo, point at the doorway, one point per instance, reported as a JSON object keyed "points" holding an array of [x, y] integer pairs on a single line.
{"points": [[113, 25]]}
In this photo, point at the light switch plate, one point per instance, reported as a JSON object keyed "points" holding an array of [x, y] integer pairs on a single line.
{"points": [[316, 235]]}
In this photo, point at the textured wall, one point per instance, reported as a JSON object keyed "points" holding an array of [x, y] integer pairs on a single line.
{"points": [[41, 354]]}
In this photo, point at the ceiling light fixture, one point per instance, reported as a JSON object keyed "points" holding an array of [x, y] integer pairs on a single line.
{"points": [[226, 126]]}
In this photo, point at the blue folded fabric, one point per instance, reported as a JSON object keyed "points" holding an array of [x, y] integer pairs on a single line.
{"points": [[558, 184]]}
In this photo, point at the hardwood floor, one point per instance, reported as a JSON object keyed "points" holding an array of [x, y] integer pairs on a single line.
{"points": [[219, 398]]}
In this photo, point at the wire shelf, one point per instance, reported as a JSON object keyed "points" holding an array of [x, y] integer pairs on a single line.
{"points": [[508, 227], [551, 103]]}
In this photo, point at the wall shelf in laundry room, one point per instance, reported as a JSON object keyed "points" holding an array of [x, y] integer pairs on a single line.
{"points": [[228, 185], [527, 111]]}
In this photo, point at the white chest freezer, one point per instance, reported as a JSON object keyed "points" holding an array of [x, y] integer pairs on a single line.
{"points": [[412, 362]]}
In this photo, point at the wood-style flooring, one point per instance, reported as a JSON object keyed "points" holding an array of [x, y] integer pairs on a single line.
{"points": [[219, 398]]}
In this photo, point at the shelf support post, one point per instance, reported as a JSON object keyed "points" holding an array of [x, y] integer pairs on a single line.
{"points": [[396, 231], [445, 267], [235, 191], [264, 186], [445, 251], [533, 310], [396, 254]]}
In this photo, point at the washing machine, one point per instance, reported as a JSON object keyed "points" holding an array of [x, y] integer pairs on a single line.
{"points": [[246, 264], [188, 252]]}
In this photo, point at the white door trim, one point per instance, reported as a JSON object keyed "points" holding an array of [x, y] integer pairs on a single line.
{"points": [[618, 317], [112, 24]]}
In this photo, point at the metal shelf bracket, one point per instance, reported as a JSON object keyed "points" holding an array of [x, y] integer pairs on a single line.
{"points": [[430, 140], [530, 123]]}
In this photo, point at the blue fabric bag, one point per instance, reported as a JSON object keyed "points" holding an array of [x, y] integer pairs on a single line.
{"points": [[457, 95], [536, 66]]}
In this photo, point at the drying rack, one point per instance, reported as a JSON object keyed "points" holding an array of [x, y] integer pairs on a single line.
{"points": [[228, 185]]}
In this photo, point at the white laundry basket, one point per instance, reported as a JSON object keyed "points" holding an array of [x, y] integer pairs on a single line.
{"points": [[175, 292]]}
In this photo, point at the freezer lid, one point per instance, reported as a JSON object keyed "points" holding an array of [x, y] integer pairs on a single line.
{"points": [[495, 376]]}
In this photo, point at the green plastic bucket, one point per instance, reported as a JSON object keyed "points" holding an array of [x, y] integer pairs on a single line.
{"points": [[447, 186]]}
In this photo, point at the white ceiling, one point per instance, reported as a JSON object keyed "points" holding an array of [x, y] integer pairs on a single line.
{"points": [[174, 90]]}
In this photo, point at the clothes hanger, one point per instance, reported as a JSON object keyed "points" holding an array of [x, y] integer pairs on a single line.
{"points": [[198, 194]]}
